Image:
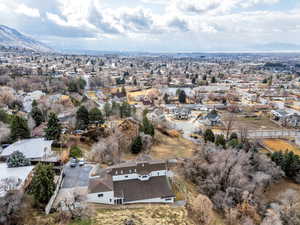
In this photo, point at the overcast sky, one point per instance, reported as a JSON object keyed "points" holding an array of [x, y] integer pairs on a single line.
{"points": [[155, 25]]}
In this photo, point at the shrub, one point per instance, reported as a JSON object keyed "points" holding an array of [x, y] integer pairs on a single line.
{"points": [[75, 152], [137, 145], [17, 159]]}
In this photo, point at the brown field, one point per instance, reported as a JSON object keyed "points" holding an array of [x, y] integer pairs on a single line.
{"points": [[171, 147], [280, 145], [147, 215], [279, 188], [260, 122]]}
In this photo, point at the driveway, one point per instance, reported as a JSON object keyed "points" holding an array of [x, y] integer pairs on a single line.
{"points": [[76, 176]]}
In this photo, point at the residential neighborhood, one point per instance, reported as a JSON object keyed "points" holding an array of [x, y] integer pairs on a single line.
{"points": [[149, 112]]}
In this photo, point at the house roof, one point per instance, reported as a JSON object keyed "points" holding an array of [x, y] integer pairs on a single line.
{"points": [[31, 148], [133, 190], [100, 185], [142, 167], [17, 173]]}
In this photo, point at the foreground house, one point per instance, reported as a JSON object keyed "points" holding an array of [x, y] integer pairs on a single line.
{"points": [[34, 149], [132, 182]]}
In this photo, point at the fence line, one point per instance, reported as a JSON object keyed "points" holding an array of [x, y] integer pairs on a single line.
{"points": [[53, 197]]}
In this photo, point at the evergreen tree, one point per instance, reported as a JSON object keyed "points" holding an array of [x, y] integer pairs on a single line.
{"points": [[34, 103], [17, 159], [37, 115], [147, 127], [95, 116], [213, 80], [82, 118], [53, 130], [42, 186], [19, 129], [166, 98], [209, 136], [125, 110], [137, 145], [289, 163], [220, 140], [233, 136], [182, 97]]}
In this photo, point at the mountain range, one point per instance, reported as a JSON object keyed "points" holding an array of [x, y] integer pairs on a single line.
{"points": [[10, 37]]}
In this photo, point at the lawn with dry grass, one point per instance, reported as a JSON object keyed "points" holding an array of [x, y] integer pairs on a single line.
{"points": [[171, 147], [148, 215], [280, 145]]}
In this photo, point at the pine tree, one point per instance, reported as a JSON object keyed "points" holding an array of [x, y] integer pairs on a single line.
{"points": [[209, 136], [17, 159], [53, 130], [82, 118], [137, 145], [125, 110], [37, 115], [147, 127], [95, 116], [19, 129], [182, 97], [220, 140], [42, 186]]}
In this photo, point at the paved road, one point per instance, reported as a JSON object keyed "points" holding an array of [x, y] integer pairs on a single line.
{"points": [[76, 177]]}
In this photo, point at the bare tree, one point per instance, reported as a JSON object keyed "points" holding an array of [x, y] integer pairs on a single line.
{"points": [[229, 123], [243, 133], [4, 132]]}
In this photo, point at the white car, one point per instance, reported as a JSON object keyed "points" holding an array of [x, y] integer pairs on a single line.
{"points": [[81, 162]]}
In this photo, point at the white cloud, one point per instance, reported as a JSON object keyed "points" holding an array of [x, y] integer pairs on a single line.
{"points": [[27, 11]]}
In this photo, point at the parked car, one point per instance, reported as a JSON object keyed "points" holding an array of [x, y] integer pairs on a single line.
{"points": [[73, 162], [81, 162], [78, 132]]}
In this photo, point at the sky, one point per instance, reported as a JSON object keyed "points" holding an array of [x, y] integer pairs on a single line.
{"points": [[157, 25]]}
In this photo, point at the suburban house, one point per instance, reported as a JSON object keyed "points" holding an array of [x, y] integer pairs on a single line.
{"points": [[12, 179], [212, 118], [34, 149], [132, 182]]}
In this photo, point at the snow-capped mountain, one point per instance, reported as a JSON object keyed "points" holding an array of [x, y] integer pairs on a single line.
{"points": [[10, 37]]}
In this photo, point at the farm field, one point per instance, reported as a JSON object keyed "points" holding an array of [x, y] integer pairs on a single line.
{"points": [[281, 145]]}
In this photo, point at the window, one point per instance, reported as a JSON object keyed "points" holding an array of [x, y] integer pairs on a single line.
{"points": [[168, 199], [100, 195], [135, 170], [144, 176], [116, 172], [121, 171], [126, 176], [157, 173], [110, 200]]}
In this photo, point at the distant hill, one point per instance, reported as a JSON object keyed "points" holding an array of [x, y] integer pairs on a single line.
{"points": [[10, 37], [277, 47]]}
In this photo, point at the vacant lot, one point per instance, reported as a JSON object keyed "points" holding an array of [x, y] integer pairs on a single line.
{"points": [[171, 147], [280, 145], [252, 123]]}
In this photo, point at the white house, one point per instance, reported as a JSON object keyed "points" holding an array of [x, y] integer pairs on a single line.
{"points": [[33, 149], [132, 182]]}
